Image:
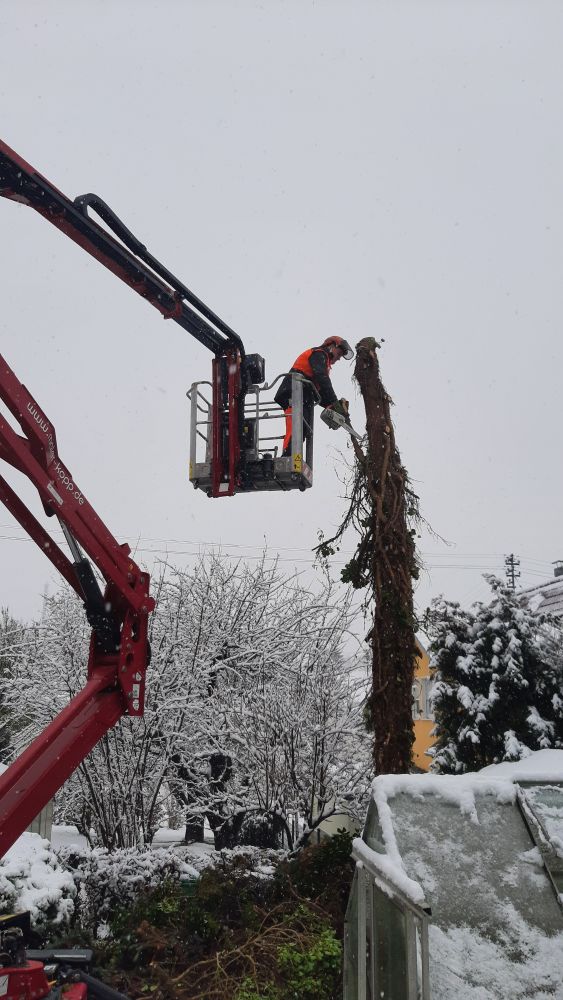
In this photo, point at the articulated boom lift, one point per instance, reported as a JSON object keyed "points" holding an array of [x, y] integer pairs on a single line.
{"points": [[118, 647], [237, 457]]}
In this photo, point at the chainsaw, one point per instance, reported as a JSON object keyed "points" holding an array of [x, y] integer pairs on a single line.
{"points": [[334, 419]]}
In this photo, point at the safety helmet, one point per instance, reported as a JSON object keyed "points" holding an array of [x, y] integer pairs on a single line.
{"points": [[342, 344]]}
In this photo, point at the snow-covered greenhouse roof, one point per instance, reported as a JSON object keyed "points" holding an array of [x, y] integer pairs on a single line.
{"points": [[483, 851]]}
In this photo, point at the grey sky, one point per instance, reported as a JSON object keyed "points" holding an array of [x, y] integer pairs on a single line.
{"points": [[356, 168]]}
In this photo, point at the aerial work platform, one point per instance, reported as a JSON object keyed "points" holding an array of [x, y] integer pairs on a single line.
{"points": [[262, 466], [232, 449]]}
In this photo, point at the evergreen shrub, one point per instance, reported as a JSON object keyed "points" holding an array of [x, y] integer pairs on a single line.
{"points": [[498, 672]]}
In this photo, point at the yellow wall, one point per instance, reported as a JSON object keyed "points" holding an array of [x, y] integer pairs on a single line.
{"points": [[422, 740]]}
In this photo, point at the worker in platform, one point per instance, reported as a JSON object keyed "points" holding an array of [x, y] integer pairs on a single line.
{"points": [[315, 364]]}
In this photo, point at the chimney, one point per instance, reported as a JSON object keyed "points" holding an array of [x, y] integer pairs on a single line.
{"points": [[558, 571]]}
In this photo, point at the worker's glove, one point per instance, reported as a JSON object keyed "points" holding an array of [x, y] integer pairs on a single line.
{"points": [[341, 406]]}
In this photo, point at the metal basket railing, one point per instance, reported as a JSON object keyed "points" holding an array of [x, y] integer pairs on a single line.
{"points": [[261, 415]]}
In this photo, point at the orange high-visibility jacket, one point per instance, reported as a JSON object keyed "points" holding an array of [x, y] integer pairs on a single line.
{"points": [[314, 364]]}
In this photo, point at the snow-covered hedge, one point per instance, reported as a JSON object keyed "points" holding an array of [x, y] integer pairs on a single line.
{"points": [[32, 878], [105, 881], [78, 886], [108, 881], [252, 862]]}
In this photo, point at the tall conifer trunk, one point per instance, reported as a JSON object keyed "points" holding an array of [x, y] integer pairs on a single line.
{"points": [[392, 565], [382, 509]]}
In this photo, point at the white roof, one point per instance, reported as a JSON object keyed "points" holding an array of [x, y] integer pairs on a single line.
{"points": [[541, 765], [546, 598]]}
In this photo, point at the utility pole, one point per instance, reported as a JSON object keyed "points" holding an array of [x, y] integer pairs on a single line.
{"points": [[512, 571]]}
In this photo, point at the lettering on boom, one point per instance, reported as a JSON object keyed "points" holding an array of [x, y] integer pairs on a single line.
{"points": [[67, 482], [44, 425]]}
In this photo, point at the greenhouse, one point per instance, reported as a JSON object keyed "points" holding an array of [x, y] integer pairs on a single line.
{"points": [[458, 889]]}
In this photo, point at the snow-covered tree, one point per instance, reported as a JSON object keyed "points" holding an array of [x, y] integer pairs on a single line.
{"points": [[114, 791], [284, 729], [296, 724], [12, 638], [252, 714], [498, 692]]}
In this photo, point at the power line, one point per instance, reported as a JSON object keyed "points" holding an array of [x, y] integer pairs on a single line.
{"points": [[249, 556], [287, 548], [244, 551]]}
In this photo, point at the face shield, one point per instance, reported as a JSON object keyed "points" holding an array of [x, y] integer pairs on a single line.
{"points": [[346, 350]]}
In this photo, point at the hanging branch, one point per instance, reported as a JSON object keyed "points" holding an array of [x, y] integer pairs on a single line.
{"points": [[383, 509]]}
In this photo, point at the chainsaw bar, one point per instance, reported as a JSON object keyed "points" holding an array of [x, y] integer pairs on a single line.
{"points": [[336, 420]]}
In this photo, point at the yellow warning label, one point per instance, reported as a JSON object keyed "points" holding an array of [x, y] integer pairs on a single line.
{"points": [[297, 463]]}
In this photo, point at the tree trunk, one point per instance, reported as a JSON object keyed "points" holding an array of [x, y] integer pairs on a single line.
{"points": [[391, 564]]}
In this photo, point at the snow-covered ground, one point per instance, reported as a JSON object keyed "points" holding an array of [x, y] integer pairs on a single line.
{"points": [[67, 836]]}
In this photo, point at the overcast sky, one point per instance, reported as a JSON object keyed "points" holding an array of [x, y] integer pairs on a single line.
{"points": [[384, 168]]}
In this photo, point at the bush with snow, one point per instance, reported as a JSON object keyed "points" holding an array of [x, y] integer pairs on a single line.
{"points": [[250, 861], [109, 881], [498, 682], [32, 878], [106, 880]]}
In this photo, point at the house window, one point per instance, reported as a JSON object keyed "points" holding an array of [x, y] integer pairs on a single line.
{"points": [[421, 704]]}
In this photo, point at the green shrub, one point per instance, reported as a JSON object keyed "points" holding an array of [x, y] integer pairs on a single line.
{"points": [[235, 936], [161, 923], [312, 974], [248, 991], [321, 872]]}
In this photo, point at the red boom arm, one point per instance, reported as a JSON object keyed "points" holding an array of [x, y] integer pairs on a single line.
{"points": [[119, 617], [128, 258]]}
